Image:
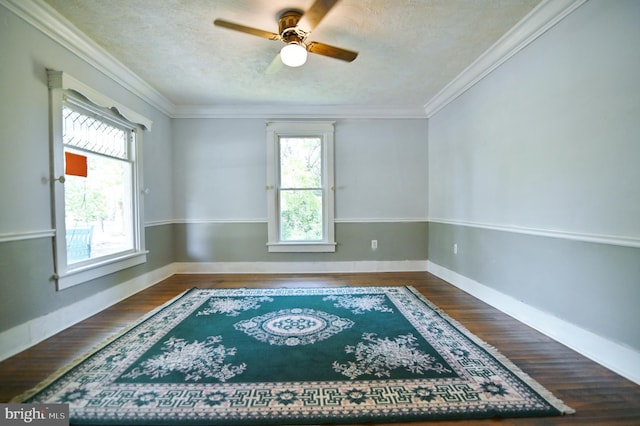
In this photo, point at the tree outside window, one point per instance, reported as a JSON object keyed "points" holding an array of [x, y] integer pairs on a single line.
{"points": [[300, 187]]}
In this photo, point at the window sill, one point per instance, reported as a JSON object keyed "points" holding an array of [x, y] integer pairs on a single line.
{"points": [[96, 270], [298, 247]]}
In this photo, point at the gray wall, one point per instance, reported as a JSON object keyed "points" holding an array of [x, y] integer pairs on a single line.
{"points": [[246, 242], [549, 143], [593, 285]]}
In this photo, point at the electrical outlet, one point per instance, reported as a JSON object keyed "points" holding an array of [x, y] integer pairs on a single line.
{"points": [[374, 244], [455, 249]]}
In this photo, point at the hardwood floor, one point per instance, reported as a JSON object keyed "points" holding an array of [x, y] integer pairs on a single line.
{"points": [[599, 396]]}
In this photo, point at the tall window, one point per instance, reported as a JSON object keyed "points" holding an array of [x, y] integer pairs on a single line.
{"points": [[98, 184], [300, 186], [96, 187]]}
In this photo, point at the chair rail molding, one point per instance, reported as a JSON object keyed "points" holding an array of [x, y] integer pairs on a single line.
{"points": [[615, 240], [27, 235]]}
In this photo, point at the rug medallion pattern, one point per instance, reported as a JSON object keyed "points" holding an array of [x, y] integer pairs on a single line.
{"points": [[313, 355]]}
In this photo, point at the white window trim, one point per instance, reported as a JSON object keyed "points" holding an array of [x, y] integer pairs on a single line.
{"points": [[325, 130], [60, 85]]}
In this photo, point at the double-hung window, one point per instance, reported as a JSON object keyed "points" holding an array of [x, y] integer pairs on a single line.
{"points": [[300, 187], [96, 166]]}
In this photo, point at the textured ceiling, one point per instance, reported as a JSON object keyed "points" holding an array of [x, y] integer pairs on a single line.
{"points": [[408, 49]]}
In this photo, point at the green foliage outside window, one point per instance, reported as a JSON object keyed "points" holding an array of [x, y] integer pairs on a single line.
{"points": [[99, 196], [301, 189]]}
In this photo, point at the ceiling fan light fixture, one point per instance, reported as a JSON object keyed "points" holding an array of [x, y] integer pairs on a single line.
{"points": [[293, 54]]}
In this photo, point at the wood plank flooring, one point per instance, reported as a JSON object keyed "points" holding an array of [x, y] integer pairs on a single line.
{"points": [[599, 396]]}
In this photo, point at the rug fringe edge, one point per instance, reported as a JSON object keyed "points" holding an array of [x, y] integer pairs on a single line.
{"points": [[72, 364], [504, 360]]}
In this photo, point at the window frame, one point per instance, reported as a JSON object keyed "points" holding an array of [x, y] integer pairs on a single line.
{"points": [[292, 129], [65, 89]]}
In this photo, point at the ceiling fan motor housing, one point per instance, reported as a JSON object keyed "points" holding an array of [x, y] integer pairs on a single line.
{"points": [[287, 26]]}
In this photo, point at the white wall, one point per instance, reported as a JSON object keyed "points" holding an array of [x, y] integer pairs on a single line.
{"points": [[551, 139], [25, 54], [158, 172], [26, 230], [24, 124], [381, 170], [220, 169]]}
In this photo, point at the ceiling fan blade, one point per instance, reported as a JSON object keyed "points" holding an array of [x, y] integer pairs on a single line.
{"points": [[275, 65], [243, 29], [331, 51], [312, 17]]}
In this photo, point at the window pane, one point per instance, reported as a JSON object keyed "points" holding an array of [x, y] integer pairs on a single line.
{"points": [[89, 133], [98, 213], [301, 215], [300, 162]]}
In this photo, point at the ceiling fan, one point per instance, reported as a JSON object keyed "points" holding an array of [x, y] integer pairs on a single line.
{"points": [[294, 28]]}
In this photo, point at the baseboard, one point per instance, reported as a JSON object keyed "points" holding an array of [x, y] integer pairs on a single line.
{"points": [[612, 355], [25, 335], [299, 267]]}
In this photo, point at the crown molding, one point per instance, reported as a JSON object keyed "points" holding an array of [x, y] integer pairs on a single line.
{"points": [[46, 19], [543, 17], [297, 111]]}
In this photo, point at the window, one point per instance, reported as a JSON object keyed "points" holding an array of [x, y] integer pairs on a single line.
{"points": [[300, 186], [96, 155]]}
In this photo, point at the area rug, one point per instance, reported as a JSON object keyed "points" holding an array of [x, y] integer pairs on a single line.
{"points": [[294, 356]]}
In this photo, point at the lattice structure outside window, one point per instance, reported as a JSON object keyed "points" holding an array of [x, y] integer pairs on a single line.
{"points": [[94, 134]]}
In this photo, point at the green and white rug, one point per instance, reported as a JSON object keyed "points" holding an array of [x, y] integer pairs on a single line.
{"points": [[295, 356]]}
